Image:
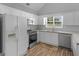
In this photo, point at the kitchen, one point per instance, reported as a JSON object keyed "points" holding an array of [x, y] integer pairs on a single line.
{"points": [[54, 27]]}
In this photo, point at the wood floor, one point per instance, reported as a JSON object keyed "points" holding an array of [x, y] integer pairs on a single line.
{"points": [[42, 49]]}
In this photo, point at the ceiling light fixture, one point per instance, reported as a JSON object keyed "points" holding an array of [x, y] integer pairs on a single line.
{"points": [[27, 4]]}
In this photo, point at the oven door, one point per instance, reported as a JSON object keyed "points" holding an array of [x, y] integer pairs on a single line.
{"points": [[32, 38]]}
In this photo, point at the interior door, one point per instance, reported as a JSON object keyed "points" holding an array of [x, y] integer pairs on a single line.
{"points": [[23, 40], [10, 35]]}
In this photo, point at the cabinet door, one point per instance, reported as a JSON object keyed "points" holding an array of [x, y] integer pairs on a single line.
{"points": [[49, 38], [22, 34], [76, 20], [40, 20], [68, 19], [38, 36], [10, 35], [36, 20], [41, 36]]}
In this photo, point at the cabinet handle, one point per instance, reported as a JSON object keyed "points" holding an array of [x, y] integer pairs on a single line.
{"points": [[77, 43], [11, 35]]}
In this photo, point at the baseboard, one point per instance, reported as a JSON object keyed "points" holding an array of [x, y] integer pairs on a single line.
{"points": [[49, 43]]}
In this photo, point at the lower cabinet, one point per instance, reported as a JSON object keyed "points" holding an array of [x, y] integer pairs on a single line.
{"points": [[56, 39], [10, 40], [49, 38], [75, 44]]}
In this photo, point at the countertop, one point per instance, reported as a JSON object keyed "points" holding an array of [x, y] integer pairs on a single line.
{"points": [[64, 32]]}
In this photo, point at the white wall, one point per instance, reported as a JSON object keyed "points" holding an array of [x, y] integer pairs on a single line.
{"points": [[52, 8]]}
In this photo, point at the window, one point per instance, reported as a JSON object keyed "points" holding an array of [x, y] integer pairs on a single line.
{"points": [[58, 21], [53, 22]]}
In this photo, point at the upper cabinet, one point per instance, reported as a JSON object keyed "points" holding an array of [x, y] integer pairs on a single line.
{"points": [[68, 18], [32, 20], [40, 20]]}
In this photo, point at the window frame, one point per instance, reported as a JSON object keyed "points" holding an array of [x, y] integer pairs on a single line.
{"points": [[53, 25]]}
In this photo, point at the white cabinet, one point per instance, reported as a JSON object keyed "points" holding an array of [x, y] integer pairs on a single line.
{"points": [[36, 20], [75, 41], [68, 18], [41, 36], [40, 20], [49, 38], [10, 35], [52, 38], [32, 20], [22, 36], [56, 39]]}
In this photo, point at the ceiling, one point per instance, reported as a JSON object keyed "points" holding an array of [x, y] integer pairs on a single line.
{"points": [[34, 6], [45, 8]]}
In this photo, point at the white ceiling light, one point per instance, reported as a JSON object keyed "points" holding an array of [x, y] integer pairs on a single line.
{"points": [[34, 6], [27, 4]]}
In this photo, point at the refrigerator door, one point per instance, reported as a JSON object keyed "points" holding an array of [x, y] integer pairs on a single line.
{"points": [[10, 35]]}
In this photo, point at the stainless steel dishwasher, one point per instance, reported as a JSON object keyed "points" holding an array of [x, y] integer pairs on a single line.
{"points": [[64, 40]]}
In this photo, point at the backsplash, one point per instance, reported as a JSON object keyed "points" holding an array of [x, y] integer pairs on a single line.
{"points": [[32, 27], [71, 28], [65, 28]]}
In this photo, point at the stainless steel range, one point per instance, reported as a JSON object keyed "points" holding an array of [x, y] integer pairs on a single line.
{"points": [[32, 38]]}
